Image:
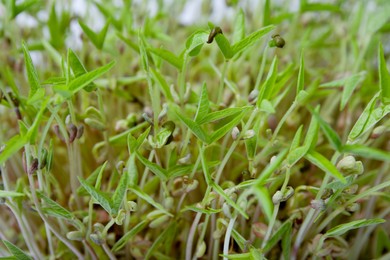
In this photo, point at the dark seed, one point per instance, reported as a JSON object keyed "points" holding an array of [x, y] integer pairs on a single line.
{"points": [[214, 33]]}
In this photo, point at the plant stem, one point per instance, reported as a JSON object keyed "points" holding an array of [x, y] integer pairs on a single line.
{"points": [[227, 237]]}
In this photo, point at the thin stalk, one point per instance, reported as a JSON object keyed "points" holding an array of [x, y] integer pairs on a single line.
{"points": [[227, 237], [309, 219], [30, 241], [43, 217], [191, 236], [108, 251], [276, 209]]}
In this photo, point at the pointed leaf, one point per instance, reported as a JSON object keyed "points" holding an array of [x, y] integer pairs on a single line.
{"points": [[194, 127], [251, 39], [149, 200], [384, 77], [156, 169], [195, 42], [52, 208], [227, 127], [32, 74], [330, 134], [279, 234], [267, 88], [324, 164], [239, 26], [301, 75], [120, 193], [224, 46], [94, 179], [16, 251], [218, 115], [10, 194], [81, 82], [367, 152], [168, 56], [12, 146], [129, 235], [78, 68], [98, 195], [343, 228], [203, 105], [266, 173]]}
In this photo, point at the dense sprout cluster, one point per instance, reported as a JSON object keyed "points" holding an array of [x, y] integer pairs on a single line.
{"points": [[132, 130]]}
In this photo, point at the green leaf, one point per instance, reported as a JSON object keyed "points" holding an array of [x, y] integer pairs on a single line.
{"points": [[338, 185], [228, 200], [12, 146], [279, 234], [195, 42], [343, 228], [316, 7], [207, 211], [250, 147], [16, 251], [266, 173], [224, 45], [149, 200], [156, 169], [264, 199], [78, 68], [103, 199], [132, 170], [84, 80], [330, 134], [203, 105], [227, 127], [52, 208], [162, 83], [129, 235], [324, 164], [297, 139], [267, 13], [134, 144], [349, 85], [33, 130], [266, 106], [218, 115], [96, 38], [168, 56], [267, 88], [93, 179], [166, 233], [10, 194], [32, 74], [120, 193], [286, 243], [367, 152], [384, 77], [239, 26], [368, 118], [195, 128], [251, 39], [301, 75], [312, 132]]}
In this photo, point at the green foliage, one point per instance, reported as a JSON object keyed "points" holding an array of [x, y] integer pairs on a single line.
{"points": [[182, 148]]}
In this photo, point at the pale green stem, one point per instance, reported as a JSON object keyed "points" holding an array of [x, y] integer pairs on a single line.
{"points": [[227, 237]]}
